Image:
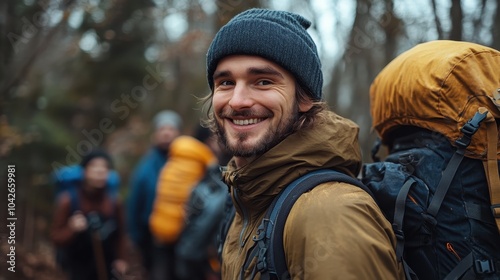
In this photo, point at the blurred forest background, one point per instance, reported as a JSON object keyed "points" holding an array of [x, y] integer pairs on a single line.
{"points": [[80, 73]]}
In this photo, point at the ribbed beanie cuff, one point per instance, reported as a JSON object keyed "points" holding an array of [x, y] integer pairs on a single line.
{"points": [[278, 36]]}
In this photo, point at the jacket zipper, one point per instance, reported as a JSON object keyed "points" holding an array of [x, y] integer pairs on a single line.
{"points": [[244, 217]]}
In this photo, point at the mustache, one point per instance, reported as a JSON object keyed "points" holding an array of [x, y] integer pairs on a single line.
{"points": [[230, 113]]}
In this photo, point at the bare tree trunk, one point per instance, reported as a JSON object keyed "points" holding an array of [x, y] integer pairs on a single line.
{"points": [[363, 59], [352, 76], [478, 23], [439, 28], [4, 23], [392, 26], [38, 44], [227, 9], [456, 16], [315, 24], [496, 28]]}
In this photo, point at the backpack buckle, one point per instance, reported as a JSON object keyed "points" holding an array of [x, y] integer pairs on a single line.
{"points": [[463, 142], [261, 260], [495, 209], [400, 236], [473, 124], [470, 128], [484, 266]]}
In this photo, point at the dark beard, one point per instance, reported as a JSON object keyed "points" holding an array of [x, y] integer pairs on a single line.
{"points": [[271, 138]]}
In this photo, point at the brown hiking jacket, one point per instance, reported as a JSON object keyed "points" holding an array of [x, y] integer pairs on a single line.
{"points": [[336, 231]]}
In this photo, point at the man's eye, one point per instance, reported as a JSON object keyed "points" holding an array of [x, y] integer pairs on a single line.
{"points": [[225, 83], [264, 82]]}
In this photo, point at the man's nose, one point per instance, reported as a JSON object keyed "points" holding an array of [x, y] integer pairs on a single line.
{"points": [[241, 98]]}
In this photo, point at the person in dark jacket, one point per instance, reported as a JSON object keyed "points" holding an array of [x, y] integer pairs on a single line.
{"points": [[266, 80], [168, 125], [88, 226]]}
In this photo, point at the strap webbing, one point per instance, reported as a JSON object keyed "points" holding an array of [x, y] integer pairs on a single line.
{"points": [[229, 213], [491, 168], [397, 227], [479, 212], [468, 130], [459, 270], [399, 213], [445, 182]]}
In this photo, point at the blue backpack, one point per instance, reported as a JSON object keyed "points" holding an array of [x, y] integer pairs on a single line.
{"points": [[68, 179]]}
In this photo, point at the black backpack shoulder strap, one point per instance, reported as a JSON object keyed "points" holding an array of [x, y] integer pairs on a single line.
{"points": [[74, 200], [229, 213], [269, 240]]}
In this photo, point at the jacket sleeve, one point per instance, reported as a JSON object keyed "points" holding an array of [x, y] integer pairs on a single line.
{"points": [[61, 233], [135, 206], [336, 231]]}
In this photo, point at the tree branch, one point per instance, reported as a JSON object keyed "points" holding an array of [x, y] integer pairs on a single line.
{"points": [[439, 28]]}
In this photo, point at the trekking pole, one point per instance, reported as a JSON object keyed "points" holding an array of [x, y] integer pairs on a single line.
{"points": [[94, 223]]}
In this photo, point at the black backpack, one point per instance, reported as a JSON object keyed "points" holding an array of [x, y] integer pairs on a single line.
{"points": [[437, 109], [438, 203], [204, 212]]}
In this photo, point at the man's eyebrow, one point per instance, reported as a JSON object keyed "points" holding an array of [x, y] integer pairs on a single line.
{"points": [[219, 74], [264, 70]]}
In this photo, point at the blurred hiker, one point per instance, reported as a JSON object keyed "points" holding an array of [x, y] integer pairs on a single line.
{"points": [[88, 225], [189, 159], [196, 250], [142, 193]]}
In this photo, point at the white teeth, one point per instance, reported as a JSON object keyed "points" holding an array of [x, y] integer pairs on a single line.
{"points": [[247, 121]]}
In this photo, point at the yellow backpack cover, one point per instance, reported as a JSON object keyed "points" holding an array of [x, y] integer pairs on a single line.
{"points": [[419, 88], [187, 163]]}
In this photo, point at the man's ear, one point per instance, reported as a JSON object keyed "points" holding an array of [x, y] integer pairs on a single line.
{"points": [[305, 105]]}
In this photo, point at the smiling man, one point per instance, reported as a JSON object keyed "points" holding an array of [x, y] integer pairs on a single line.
{"points": [[255, 105], [267, 109]]}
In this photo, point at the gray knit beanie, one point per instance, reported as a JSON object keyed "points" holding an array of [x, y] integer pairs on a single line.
{"points": [[274, 35], [167, 117]]}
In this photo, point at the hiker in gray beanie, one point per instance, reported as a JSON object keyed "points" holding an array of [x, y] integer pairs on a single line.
{"points": [[168, 117], [266, 108], [167, 126]]}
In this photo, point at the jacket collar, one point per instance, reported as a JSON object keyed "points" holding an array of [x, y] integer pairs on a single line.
{"points": [[330, 143]]}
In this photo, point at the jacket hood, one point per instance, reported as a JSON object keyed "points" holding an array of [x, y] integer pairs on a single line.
{"points": [[331, 143]]}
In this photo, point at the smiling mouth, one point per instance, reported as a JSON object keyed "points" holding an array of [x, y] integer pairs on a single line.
{"points": [[247, 121]]}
